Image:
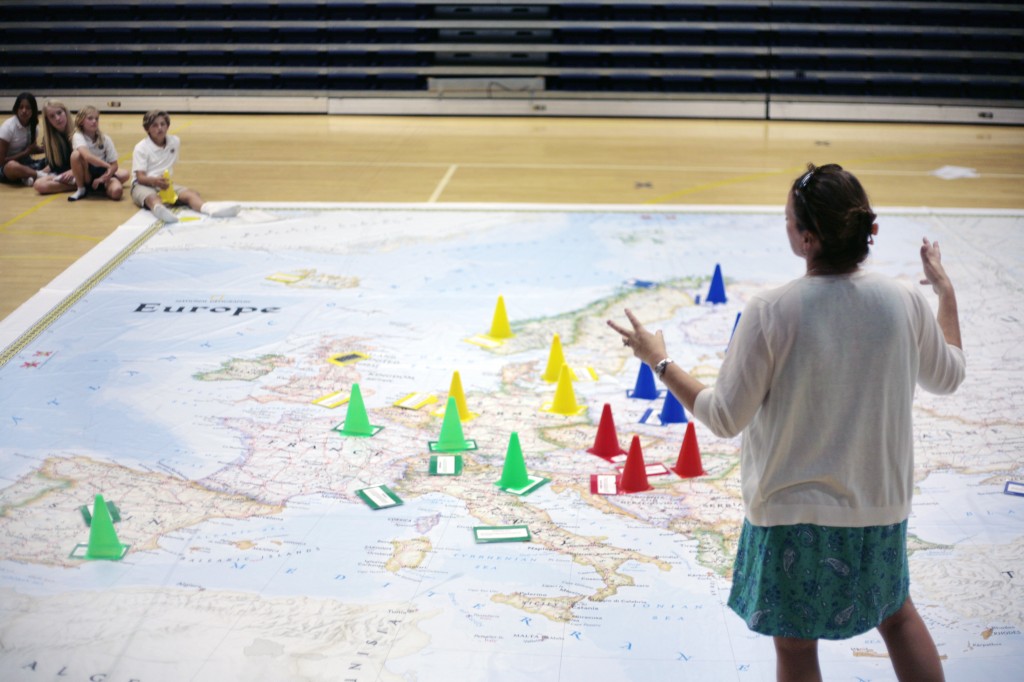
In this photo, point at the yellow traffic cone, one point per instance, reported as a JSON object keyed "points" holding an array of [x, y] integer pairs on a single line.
{"points": [[500, 328], [555, 361], [565, 396]]}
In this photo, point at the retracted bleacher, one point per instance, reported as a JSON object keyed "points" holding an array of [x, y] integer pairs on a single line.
{"points": [[524, 56]]}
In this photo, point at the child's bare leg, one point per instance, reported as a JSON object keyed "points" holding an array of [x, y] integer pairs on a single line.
{"points": [[910, 645], [192, 198], [50, 185], [114, 189], [80, 169], [19, 171], [796, 660]]}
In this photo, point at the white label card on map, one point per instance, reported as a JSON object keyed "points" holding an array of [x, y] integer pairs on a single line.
{"points": [[1014, 488], [332, 400], [415, 401], [501, 533], [584, 373], [379, 497], [535, 482], [484, 341], [657, 469], [445, 465], [604, 484]]}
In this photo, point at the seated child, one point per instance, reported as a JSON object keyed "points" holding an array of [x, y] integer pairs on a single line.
{"points": [[155, 155], [94, 159], [18, 142], [57, 176]]}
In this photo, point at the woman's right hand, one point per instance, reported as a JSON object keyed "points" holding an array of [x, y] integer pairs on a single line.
{"points": [[934, 273]]}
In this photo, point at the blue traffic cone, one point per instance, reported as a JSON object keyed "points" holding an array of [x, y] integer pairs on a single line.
{"points": [[716, 294], [645, 388], [672, 411], [733, 332]]}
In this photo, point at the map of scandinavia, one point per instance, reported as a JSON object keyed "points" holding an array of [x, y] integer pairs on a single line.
{"points": [[182, 387]]}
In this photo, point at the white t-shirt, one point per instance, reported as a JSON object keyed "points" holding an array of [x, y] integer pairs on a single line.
{"points": [[15, 134], [820, 378], [153, 160], [108, 152]]}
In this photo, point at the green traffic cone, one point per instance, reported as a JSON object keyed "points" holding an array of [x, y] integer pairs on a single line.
{"points": [[451, 438], [103, 542], [357, 422], [513, 474]]}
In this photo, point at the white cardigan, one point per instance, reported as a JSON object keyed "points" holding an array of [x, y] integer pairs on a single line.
{"points": [[820, 377]]}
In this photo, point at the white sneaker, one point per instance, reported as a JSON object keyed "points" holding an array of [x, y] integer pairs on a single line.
{"points": [[225, 211], [164, 214], [28, 182]]}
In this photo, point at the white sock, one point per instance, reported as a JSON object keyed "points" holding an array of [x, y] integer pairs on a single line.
{"points": [[164, 214], [224, 211], [28, 182], [79, 193]]}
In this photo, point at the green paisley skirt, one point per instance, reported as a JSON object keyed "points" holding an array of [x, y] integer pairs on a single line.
{"points": [[819, 582]]}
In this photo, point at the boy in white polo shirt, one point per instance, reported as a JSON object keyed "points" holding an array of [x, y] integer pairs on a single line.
{"points": [[153, 156]]}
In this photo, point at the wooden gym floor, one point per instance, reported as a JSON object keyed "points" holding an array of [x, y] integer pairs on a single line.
{"points": [[511, 160]]}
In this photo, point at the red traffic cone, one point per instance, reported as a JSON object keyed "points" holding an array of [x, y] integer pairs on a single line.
{"points": [[688, 465], [634, 475], [606, 444]]}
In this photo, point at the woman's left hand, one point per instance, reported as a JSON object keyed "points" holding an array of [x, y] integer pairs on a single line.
{"points": [[648, 347]]}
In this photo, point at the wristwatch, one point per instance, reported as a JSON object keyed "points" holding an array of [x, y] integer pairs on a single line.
{"points": [[659, 369]]}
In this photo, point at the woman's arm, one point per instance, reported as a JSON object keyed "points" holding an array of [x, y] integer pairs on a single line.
{"points": [[947, 316], [650, 349]]}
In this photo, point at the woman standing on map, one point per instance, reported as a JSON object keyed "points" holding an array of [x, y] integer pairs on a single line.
{"points": [[820, 379]]}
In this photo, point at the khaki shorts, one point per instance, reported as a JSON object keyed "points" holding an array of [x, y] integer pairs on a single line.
{"points": [[140, 192]]}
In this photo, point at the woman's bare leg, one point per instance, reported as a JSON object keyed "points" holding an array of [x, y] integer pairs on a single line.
{"points": [[911, 648], [796, 660]]}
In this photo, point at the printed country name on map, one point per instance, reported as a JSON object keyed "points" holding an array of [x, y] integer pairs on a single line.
{"points": [[240, 561], [1000, 630], [64, 671], [238, 310], [495, 557]]}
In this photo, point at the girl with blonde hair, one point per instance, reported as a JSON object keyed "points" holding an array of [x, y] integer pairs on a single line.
{"points": [[94, 159], [57, 176]]}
